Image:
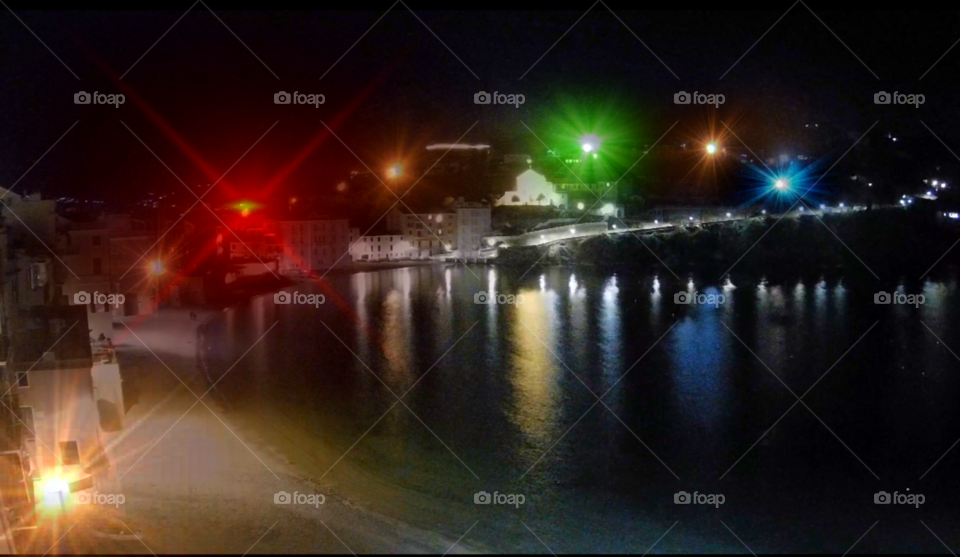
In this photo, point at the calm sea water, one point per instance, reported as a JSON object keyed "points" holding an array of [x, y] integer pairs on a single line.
{"points": [[598, 398]]}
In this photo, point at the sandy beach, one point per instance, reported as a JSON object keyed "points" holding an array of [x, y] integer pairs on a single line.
{"points": [[197, 481]]}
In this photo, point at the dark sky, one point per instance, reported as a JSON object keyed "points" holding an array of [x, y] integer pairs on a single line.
{"points": [[199, 99]]}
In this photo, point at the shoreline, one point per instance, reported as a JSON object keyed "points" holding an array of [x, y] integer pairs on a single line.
{"points": [[409, 502], [297, 450], [188, 472]]}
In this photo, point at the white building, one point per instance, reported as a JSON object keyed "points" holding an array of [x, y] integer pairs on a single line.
{"points": [[533, 189], [382, 247]]}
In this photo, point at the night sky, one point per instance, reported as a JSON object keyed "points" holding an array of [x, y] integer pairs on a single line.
{"points": [[199, 98]]}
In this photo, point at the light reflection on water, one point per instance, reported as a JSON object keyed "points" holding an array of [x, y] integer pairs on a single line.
{"points": [[508, 396]]}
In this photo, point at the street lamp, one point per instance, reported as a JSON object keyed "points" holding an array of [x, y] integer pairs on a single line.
{"points": [[711, 148], [394, 171], [589, 143]]}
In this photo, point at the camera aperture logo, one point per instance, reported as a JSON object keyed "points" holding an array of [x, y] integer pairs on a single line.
{"points": [[697, 498], [884, 498], [898, 298], [282, 97], [490, 298], [97, 498], [484, 498], [284, 498], [285, 298], [85, 298], [483, 97], [683, 97], [82, 97], [698, 298], [897, 97]]}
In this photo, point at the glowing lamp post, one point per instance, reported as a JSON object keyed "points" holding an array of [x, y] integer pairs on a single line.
{"points": [[55, 493], [589, 143]]}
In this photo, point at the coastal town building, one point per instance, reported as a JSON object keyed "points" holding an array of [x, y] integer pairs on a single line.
{"points": [[458, 228], [251, 244], [473, 223], [382, 247], [533, 189], [119, 254], [309, 245], [51, 360]]}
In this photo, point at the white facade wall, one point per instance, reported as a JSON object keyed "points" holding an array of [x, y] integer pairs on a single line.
{"points": [[384, 247]]}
